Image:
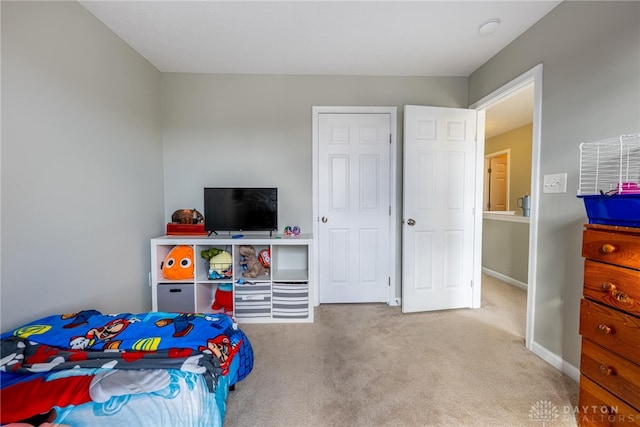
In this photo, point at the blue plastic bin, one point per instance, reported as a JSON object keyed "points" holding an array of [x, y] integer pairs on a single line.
{"points": [[618, 209]]}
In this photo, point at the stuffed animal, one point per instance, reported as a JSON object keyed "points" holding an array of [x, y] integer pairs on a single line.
{"points": [[220, 265], [254, 267], [264, 256], [223, 299], [210, 253], [178, 264]]}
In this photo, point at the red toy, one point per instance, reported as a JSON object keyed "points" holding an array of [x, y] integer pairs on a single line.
{"points": [[223, 299], [264, 256]]}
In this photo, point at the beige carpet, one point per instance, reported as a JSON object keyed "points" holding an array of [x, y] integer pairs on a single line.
{"points": [[371, 365]]}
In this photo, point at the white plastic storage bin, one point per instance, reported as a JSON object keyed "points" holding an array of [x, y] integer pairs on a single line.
{"points": [[252, 300], [291, 300]]}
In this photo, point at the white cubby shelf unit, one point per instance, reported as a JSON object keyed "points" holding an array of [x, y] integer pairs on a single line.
{"points": [[284, 295]]}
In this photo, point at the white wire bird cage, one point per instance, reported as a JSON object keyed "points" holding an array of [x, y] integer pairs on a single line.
{"points": [[610, 180], [610, 166]]}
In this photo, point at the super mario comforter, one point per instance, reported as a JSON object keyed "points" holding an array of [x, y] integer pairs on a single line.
{"points": [[148, 369]]}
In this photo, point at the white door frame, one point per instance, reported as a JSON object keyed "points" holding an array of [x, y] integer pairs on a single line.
{"points": [[534, 75], [393, 168]]}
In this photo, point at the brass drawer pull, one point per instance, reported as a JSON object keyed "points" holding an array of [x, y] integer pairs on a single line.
{"points": [[608, 287], [605, 370], [605, 330], [622, 297], [608, 248]]}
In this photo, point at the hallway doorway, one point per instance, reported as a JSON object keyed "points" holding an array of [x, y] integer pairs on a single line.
{"points": [[530, 80]]}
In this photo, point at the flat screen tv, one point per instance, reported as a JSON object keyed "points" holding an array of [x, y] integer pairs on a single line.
{"points": [[240, 209]]}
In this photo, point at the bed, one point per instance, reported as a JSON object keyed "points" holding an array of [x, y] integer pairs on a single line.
{"points": [[147, 369]]}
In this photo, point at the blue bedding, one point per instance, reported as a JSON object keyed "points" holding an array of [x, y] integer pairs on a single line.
{"points": [[148, 369]]}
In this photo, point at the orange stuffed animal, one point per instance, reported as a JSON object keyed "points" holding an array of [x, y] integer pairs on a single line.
{"points": [[178, 264]]}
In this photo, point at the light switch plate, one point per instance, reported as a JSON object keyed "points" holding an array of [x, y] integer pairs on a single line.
{"points": [[555, 183]]}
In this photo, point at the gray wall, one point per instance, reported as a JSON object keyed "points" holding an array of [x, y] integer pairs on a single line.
{"points": [[235, 130], [590, 91], [81, 165], [251, 130], [505, 248]]}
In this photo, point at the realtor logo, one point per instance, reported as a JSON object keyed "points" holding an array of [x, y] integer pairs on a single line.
{"points": [[544, 411]]}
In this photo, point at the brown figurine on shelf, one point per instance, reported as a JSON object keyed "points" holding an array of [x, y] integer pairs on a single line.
{"points": [[254, 267], [187, 216]]}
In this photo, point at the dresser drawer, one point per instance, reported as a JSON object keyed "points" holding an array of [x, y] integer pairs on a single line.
{"points": [[613, 248], [597, 407], [612, 329], [618, 287], [612, 372]]}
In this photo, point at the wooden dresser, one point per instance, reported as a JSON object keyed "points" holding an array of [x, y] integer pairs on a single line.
{"points": [[610, 327]]}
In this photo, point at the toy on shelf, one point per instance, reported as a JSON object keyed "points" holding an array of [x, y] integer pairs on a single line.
{"points": [[264, 256], [220, 263], [186, 222], [221, 266], [292, 231], [187, 216], [253, 266], [178, 264], [223, 299]]}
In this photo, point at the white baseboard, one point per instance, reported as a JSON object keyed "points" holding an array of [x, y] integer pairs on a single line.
{"points": [[556, 361], [571, 371], [505, 278]]}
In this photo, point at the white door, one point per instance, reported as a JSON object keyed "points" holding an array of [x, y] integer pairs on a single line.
{"points": [[354, 207], [438, 214]]}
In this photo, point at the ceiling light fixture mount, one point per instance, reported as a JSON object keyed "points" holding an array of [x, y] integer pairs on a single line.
{"points": [[489, 26]]}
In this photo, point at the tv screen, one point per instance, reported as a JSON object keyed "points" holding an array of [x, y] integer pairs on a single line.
{"points": [[240, 209]]}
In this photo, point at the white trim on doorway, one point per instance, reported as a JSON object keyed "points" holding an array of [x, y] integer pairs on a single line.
{"points": [[393, 174], [533, 76]]}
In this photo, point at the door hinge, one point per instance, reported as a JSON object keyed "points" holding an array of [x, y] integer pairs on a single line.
{"points": [[389, 280], [389, 138], [472, 283], [389, 210]]}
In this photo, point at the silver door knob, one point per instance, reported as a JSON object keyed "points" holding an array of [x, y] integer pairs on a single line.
{"points": [[411, 222], [324, 219]]}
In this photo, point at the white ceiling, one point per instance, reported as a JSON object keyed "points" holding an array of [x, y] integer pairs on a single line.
{"points": [[386, 38], [510, 113]]}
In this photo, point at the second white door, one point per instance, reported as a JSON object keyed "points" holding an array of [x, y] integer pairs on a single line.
{"points": [[354, 155], [439, 192]]}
